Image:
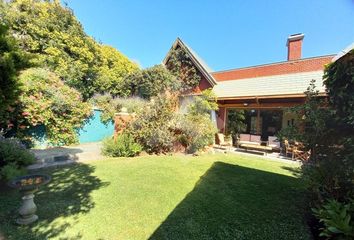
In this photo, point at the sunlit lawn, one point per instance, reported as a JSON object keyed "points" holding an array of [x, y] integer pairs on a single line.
{"points": [[165, 197]]}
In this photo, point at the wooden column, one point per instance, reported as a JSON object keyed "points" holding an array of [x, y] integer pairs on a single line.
{"points": [[258, 123], [221, 118]]}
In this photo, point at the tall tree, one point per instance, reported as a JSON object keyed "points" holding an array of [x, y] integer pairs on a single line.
{"points": [[112, 68], [53, 34], [12, 59]]}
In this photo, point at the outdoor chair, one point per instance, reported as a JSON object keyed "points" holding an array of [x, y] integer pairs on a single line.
{"points": [[299, 153], [274, 143], [289, 149], [302, 155], [222, 142]]}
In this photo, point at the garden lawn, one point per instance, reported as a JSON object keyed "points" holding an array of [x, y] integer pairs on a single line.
{"points": [[165, 197]]}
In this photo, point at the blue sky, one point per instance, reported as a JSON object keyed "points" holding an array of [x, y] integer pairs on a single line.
{"points": [[225, 33]]}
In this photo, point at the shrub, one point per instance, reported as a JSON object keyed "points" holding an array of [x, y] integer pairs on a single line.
{"points": [[328, 133], [153, 126], [158, 127], [150, 82], [132, 104], [14, 157], [123, 146], [195, 133], [235, 123], [196, 128], [45, 100], [290, 133], [337, 219], [203, 104], [110, 105]]}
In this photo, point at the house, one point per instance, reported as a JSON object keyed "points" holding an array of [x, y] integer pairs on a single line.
{"points": [[262, 91]]}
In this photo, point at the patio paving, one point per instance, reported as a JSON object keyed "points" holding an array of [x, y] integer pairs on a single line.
{"points": [[56, 156], [270, 156]]}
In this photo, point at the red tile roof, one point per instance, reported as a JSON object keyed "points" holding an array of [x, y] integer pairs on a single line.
{"points": [[295, 66]]}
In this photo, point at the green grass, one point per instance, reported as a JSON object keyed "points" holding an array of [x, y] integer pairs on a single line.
{"points": [[165, 197]]}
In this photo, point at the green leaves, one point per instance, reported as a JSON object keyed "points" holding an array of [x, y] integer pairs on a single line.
{"points": [[203, 104], [112, 67], [181, 66], [235, 122], [12, 60], [46, 100], [339, 81], [123, 146], [152, 127], [57, 39], [13, 158], [337, 219], [150, 82]]}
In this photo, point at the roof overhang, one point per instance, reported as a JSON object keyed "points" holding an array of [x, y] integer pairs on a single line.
{"points": [[343, 52], [282, 96], [194, 59]]}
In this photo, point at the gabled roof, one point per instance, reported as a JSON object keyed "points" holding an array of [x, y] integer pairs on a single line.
{"points": [[198, 62], [343, 52], [287, 84], [280, 68]]}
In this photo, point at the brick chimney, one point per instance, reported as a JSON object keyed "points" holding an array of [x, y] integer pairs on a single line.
{"points": [[294, 45]]}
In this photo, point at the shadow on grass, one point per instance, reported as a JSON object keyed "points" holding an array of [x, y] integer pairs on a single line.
{"points": [[234, 202], [295, 171], [67, 194]]}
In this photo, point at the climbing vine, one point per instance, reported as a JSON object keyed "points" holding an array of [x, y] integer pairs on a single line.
{"points": [[181, 65]]}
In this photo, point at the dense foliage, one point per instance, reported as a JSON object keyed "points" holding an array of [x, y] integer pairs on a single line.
{"points": [[158, 128], [110, 105], [181, 66], [328, 172], [315, 123], [235, 123], [46, 100], [203, 104], [14, 157], [337, 219], [12, 60], [339, 80], [122, 146], [150, 82], [196, 128], [195, 132], [56, 38], [152, 127], [336, 159], [112, 68], [328, 132]]}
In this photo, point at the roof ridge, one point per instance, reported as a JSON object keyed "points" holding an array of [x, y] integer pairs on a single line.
{"points": [[267, 76], [195, 58], [274, 63]]}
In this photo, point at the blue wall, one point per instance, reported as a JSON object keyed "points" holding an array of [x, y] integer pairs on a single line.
{"points": [[95, 130]]}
